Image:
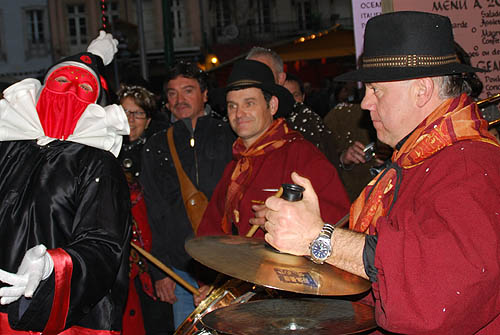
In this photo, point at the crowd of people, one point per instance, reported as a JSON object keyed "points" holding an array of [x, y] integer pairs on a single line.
{"points": [[412, 163]]}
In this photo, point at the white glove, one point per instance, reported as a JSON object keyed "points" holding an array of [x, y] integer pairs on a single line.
{"points": [[37, 265], [104, 46]]}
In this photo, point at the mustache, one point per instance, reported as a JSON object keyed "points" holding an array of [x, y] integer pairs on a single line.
{"points": [[182, 104]]}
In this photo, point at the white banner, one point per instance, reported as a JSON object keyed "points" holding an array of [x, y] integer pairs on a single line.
{"points": [[362, 11]]}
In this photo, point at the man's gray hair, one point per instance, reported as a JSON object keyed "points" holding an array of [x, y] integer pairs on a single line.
{"points": [[452, 86], [260, 51]]}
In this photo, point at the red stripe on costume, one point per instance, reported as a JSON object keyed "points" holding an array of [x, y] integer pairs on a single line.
{"points": [[63, 268], [75, 330]]}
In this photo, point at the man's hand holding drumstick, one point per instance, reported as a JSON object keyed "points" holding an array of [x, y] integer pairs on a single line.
{"points": [[258, 208], [275, 225]]}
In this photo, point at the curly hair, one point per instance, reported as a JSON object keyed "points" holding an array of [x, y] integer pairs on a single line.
{"points": [[141, 96], [452, 86], [188, 70]]}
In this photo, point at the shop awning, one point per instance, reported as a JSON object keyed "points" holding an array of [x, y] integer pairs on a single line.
{"points": [[336, 43], [325, 44]]}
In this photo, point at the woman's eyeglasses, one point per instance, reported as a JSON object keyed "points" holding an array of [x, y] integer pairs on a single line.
{"points": [[140, 115]]}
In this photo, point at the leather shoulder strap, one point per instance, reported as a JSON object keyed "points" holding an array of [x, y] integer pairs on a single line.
{"points": [[187, 187]]}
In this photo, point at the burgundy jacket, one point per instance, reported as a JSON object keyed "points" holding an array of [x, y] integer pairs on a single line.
{"points": [[270, 171]]}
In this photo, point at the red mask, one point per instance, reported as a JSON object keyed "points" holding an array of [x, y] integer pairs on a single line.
{"points": [[66, 94]]}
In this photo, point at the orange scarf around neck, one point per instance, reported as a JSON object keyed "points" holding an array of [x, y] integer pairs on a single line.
{"points": [[275, 137], [456, 119]]}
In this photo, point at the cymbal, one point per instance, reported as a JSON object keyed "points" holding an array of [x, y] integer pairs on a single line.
{"points": [[292, 316], [253, 260]]}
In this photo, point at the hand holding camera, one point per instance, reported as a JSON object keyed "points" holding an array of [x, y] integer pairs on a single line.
{"points": [[358, 153], [355, 154]]}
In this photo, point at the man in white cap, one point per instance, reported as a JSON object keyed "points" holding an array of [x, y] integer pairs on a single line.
{"points": [[64, 213]]}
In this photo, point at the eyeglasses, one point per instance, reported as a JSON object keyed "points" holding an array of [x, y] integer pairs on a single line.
{"points": [[140, 115]]}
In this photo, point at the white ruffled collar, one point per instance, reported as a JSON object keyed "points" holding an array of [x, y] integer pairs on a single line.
{"points": [[97, 127]]}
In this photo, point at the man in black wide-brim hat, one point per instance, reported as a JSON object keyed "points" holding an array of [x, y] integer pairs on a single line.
{"points": [[426, 230], [264, 154]]}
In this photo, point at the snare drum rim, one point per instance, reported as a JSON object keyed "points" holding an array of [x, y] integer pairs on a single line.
{"points": [[213, 297]]}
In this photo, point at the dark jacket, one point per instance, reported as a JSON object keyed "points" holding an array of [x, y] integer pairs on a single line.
{"points": [[312, 127], [130, 154], [203, 163], [73, 199]]}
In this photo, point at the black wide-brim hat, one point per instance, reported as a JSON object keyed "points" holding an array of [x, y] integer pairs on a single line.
{"points": [[407, 45], [250, 73]]}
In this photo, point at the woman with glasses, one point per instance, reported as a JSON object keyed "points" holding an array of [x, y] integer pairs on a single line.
{"points": [[144, 314]]}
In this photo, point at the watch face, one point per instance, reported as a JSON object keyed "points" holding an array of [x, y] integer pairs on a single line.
{"points": [[320, 250]]}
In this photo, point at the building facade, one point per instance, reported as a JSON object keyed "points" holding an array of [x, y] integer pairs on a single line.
{"points": [[52, 29], [272, 20], [25, 49]]}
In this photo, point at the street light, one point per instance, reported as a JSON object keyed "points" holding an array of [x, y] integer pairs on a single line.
{"points": [[211, 61]]}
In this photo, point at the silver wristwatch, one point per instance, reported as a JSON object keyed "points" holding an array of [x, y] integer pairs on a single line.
{"points": [[321, 246]]}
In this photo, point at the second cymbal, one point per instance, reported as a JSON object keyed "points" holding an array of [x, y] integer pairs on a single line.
{"points": [[320, 316], [254, 261]]}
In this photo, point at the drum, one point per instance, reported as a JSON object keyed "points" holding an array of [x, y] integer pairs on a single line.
{"points": [[233, 291]]}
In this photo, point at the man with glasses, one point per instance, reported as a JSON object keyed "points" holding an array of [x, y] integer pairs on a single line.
{"points": [[203, 145]]}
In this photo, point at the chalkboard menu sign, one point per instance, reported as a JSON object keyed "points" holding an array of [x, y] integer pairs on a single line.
{"points": [[476, 26]]}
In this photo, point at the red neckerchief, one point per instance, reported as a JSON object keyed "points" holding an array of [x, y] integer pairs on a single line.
{"points": [[275, 137], [455, 120]]}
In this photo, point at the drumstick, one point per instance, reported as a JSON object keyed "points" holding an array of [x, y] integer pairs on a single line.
{"points": [[252, 230], [166, 269], [256, 226]]}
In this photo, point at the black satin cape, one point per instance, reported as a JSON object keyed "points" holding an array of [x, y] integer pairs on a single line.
{"points": [[74, 197]]}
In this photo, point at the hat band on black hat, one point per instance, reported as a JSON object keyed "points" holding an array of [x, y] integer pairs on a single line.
{"points": [[245, 82], [409, 61]]}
